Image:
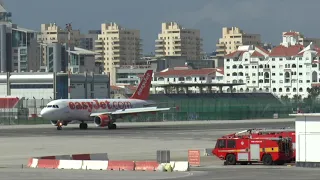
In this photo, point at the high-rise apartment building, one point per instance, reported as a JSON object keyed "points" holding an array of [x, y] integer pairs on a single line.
{"points": [[234, 37], [116, 46], [175, 40], [52, 33]]}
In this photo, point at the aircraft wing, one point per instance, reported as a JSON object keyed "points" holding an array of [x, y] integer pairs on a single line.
{"points": [[132, 111]]}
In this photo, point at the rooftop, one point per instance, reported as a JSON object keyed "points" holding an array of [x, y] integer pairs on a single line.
{"points": [[80, 51], [186, 72], [24, 29]]}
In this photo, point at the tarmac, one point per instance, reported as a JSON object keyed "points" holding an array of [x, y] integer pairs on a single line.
{"points": [[134, 141]]}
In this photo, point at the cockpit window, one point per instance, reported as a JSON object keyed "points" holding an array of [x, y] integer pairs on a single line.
{"points": [[52, 106]]}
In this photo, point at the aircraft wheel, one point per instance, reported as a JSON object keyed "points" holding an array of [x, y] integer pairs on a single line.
{"points": [[83, 126], [112, 126], [59, 128]]}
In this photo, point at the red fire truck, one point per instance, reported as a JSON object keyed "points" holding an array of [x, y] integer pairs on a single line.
{"points": [[268, 133], [246, 150]]}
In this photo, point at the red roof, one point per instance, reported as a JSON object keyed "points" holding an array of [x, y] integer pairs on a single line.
{"points": [[234, 54], [256, 54], [189, 72], [262, 49], [8, 102], [281, 51], [291, 34]]}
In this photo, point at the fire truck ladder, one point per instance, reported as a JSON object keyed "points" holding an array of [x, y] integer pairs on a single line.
{"points": [[273, 130]]}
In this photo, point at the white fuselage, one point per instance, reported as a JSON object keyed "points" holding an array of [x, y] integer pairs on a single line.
{"points": [[80, 109]]}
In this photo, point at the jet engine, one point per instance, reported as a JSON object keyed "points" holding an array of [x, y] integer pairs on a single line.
{"points": [[102, 120], [55, 123]]}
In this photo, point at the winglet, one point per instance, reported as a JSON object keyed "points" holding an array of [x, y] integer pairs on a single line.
{"points": [[143, 89]]}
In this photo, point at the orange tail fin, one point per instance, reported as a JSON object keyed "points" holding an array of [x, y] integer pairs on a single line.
{"points": [[143, 89]]}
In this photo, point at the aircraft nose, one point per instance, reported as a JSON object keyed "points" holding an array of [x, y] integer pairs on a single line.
{"points": [[43, 113]]}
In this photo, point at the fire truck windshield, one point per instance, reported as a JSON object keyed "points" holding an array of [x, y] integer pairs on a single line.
{"points": [[221, 143]]}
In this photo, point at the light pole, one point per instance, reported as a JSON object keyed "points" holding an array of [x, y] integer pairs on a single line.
{"points": [[69, 29]]}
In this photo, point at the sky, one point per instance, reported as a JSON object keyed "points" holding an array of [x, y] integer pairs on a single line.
{"points": [[266, 17]]}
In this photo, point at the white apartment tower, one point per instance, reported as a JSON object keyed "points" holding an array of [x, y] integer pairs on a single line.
{"points": [[175, 40], [117, 46], [234, 37]]}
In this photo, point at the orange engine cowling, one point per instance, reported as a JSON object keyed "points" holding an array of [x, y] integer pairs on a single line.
{"points": [[102, 120]]}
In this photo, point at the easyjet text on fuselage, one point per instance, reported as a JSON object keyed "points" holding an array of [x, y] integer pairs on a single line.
{"points": [[97, 105]]}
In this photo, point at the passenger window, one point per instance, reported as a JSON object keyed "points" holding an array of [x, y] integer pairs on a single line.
{"points": [[231, 144], [221, 143]]}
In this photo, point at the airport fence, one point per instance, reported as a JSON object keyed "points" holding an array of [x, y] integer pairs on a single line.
{"points": [[184, 108]]}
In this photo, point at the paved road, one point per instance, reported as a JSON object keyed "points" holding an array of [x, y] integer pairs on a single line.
{"points": [[128, 130], [132, 142]]}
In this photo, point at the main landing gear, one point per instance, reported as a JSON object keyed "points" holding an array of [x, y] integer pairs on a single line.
{"points": [[112, 126], [83, 125]]}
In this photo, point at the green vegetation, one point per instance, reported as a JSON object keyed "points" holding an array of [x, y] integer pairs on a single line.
{"points": [[310, 104]]}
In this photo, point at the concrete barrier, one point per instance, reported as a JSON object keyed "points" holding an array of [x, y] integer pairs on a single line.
{"points": [[33, 163], [94, 165], [70, 164], [181, 166]]}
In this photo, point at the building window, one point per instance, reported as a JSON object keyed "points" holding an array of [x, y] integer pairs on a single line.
{"points": [[31, 86]]}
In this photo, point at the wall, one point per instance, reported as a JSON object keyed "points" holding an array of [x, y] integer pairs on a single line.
{"points": [[307, 136]]}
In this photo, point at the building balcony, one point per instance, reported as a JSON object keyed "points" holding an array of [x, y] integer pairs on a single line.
{"points": [[220, 50], [159, 50], [98, 45], [116, 50], [100, 51], [220, 45], [158, 53], [116, 44]]}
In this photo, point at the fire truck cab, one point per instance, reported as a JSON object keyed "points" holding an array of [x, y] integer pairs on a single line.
{"points": [[251, 150]]}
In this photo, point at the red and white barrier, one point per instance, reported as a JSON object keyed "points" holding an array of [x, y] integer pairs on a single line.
{"points": [[146, 165], [95, 165], [121, 165], [99, 162]]}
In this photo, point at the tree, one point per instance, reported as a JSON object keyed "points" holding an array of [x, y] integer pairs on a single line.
{"points": [[285, 99], [297, 98]]}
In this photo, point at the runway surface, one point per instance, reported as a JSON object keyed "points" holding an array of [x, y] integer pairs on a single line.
{"points": [[132, 142]]}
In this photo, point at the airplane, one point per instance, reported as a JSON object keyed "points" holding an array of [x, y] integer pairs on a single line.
{"points": [[103, 112]]}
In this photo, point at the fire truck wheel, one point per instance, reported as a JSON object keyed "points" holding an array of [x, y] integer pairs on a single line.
{"points": [[267, 159], [231, 159]]}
